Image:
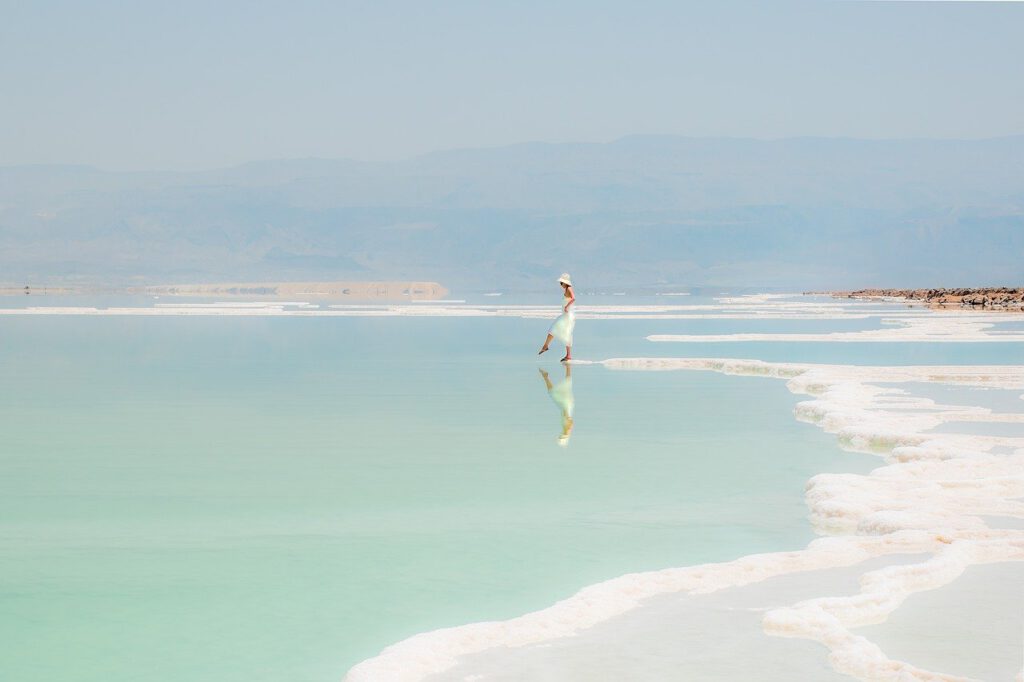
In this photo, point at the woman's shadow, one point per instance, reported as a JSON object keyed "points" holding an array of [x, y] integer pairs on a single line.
{"points": [[561, 394]]}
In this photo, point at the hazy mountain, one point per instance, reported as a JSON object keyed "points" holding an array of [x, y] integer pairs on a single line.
{"points": [[797, 213]]}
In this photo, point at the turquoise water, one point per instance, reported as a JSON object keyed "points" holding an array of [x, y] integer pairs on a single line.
{"points": [[225, 499]]}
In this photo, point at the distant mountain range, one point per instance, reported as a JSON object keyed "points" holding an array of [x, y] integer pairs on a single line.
{"points": [[640, 211]]}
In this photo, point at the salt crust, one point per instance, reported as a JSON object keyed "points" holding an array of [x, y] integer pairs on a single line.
{"points": [[931, 495], [955, 327], [905, 323]]}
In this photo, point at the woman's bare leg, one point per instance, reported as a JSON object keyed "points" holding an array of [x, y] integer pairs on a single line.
{"points": [[547, 342], [568, 354]]}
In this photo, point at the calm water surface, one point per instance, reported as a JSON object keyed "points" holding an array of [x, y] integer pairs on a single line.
{"points": [[276, 499]]}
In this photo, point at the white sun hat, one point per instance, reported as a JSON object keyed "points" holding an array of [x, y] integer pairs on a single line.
{"points": [[564, 279]]}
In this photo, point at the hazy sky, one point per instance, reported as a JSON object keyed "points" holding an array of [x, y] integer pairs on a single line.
{"points": [[186, 85]]}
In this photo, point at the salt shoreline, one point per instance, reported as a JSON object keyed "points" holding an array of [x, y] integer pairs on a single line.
{"points": [[932, 495]]}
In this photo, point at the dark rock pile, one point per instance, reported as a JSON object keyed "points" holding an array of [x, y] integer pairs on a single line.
{"points": [[1003, 298]]}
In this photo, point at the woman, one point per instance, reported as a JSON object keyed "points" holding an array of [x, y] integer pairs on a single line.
{"points": [[561, 328]]}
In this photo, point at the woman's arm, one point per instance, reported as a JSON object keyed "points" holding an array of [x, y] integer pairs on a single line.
{"points": [[572, 299]]}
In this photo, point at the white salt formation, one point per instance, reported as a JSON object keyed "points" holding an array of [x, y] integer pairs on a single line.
{"points": [[933, 496]]}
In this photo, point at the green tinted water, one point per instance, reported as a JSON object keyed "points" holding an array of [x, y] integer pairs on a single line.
{"points": [[276, 499]]}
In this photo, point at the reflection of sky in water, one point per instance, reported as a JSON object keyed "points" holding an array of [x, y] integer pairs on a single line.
{"points": [[995, 399], [1009, 326], [602, 339], [398, 470], [402, 471], [1006, 430]]}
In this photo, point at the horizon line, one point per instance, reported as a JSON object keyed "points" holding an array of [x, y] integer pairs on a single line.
{"points": [[500, 147]]}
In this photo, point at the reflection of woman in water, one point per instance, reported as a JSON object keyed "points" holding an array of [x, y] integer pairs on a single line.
{"points": [[562, 327], [563, 397]]}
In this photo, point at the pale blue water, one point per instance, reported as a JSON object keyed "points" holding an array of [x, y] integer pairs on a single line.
{"points": [[1007, 430], [1008, 326], [222, 498], [995, 399]]}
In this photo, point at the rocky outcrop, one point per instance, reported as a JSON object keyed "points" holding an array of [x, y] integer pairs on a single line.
{"points": [[984, 298]]}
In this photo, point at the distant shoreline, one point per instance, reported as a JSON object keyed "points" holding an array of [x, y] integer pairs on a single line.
{"points": [[980, 298], [40, 290], [391, 290]]}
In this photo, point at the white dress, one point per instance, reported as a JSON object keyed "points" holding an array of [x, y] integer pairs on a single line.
{"points": [[562, 394], [562, 327]]}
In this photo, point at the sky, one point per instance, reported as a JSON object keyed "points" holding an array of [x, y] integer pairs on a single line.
{"points": [[189, 85]]}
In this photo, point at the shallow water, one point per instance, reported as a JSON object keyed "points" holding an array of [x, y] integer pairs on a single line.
{"points": [[222, 498], [256, 498], [973, 628], [679, 637]]}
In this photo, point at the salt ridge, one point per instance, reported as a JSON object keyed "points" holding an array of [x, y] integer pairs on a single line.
{"points": [[930, 496], [744, 309], [943, 328]]}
